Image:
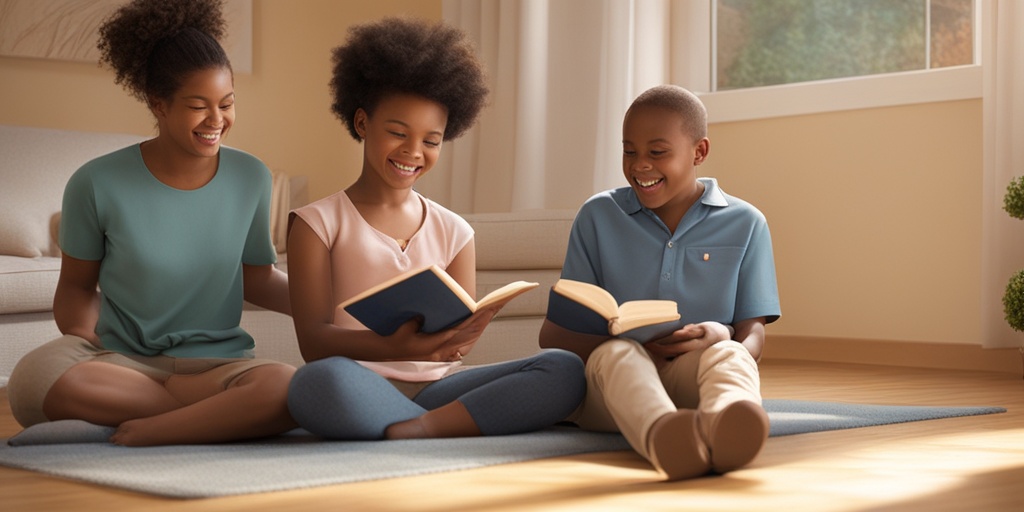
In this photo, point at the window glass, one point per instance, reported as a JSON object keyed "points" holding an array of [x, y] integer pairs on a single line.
{"points": [[952, 33], [771, 42]]}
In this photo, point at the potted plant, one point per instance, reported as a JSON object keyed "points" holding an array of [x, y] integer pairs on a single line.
{"points": [[1013, 299]]}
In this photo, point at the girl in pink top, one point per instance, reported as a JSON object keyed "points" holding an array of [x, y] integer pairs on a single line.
{"points": [[403, 87]]}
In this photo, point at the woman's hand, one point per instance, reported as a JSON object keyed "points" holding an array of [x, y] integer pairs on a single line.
{"points": [[691, 337]]}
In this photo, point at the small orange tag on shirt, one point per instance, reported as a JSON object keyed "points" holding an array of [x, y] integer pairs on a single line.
{"points": [[707, 256]]}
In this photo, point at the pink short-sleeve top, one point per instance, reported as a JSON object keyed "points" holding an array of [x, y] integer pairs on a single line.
{"points": [[362, 257]]}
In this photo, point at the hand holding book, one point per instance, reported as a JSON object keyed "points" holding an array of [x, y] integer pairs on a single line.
{"points": [[589, 309], [410, 343], [429, 294]]}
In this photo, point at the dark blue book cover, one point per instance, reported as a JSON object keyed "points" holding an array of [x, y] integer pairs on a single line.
{"points": [[642, 320], [428, 294], [425, 295], [652, 332], [571, 315]]}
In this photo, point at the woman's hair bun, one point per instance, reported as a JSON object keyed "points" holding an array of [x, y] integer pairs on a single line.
{"points": [[130, 35]]}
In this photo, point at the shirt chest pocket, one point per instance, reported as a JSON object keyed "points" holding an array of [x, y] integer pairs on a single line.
{"points": [[710, 280]]}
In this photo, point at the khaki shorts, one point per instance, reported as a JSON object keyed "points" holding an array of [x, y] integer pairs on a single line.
{"points": [[38, 370]]}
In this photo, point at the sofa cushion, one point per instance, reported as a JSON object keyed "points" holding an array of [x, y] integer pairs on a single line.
{"points": [[36, 165], [530, 239], [27, 283]]}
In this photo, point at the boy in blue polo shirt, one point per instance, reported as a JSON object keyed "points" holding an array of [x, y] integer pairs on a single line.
{"points": [[689, 402]]}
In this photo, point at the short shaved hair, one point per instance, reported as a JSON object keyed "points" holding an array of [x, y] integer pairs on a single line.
{"points": [[691, 110]]}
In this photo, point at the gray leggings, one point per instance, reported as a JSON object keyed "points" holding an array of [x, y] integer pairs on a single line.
{"points": [[337, 398]]}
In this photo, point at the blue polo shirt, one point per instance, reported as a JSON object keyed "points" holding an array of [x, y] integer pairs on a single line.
{"points": [[717, 265], [171, 271]]}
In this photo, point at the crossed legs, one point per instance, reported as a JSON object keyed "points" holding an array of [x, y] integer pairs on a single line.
{"points": [[184, 409], [338, 398]]}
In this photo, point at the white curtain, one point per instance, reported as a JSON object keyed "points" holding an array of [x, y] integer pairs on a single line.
{"points": [[562, 74], [1003, 98]]}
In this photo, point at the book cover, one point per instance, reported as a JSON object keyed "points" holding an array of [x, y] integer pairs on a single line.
{"points": [[588, 309], [650, 332], [429, 294]]}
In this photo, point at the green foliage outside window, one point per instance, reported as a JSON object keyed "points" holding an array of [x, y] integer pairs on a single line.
{"points": [[770, 42]]}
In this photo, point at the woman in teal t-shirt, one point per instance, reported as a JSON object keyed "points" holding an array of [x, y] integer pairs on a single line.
{"points": [[175, 232]]}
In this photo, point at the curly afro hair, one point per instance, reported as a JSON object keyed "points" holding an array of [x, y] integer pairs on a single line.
{"points": [[153, 45], [405, 56]]}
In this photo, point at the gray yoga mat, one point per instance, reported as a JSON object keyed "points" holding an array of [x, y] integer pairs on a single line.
{"points": [[79, 451]]}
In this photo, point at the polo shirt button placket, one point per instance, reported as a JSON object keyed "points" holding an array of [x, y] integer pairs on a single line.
{"points": [[667, 276]]}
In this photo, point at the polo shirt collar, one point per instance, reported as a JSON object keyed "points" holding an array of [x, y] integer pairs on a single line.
{"points": [[713, 195]]}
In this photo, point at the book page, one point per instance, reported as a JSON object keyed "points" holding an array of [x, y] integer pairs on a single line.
{"points": [[591, 296], [638, 313], [506, 292]]}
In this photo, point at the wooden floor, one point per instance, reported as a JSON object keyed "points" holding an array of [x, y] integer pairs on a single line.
{"points": [[973, 463]]}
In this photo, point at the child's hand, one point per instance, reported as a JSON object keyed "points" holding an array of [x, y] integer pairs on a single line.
{"points": [[448, 345], [466, 334], [691, 337]]}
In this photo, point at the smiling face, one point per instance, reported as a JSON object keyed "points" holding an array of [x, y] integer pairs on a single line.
{"points": [[402, 138], [659, 160], [200, 113]]}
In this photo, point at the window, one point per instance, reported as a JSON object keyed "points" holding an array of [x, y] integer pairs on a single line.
{"points": [[769, 58], [759, 43]]}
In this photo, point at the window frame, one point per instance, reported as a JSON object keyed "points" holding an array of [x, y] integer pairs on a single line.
{"points": [[692, 67]]}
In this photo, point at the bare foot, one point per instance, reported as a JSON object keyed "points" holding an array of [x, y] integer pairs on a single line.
{"points": [[133, 433], [408, 429], [450, 420]]}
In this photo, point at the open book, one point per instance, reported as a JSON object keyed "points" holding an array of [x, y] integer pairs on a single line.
{"points": [[589, 309], [429, 294]]}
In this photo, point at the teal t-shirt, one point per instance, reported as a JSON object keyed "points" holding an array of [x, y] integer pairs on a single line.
{"points": [[171, 271]]}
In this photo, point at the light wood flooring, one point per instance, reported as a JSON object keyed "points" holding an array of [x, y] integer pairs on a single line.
{"points": [[972, 463]]}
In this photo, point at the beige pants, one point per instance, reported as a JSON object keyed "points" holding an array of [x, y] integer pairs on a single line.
{"points": [[626, 393], [36, 372]]}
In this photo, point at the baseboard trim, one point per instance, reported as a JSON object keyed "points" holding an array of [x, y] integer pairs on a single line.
{"points": [[950, 356]]}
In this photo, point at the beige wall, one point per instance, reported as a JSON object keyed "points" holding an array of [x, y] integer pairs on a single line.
{"points": [[283, 107], [875, 216], [875, 213]]}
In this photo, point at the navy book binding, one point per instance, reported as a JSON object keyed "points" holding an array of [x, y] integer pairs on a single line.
{"points": [[428, 294], [587, 309]]}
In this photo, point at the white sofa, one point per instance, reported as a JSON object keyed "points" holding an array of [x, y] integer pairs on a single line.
{"points": [[35, 163]]}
